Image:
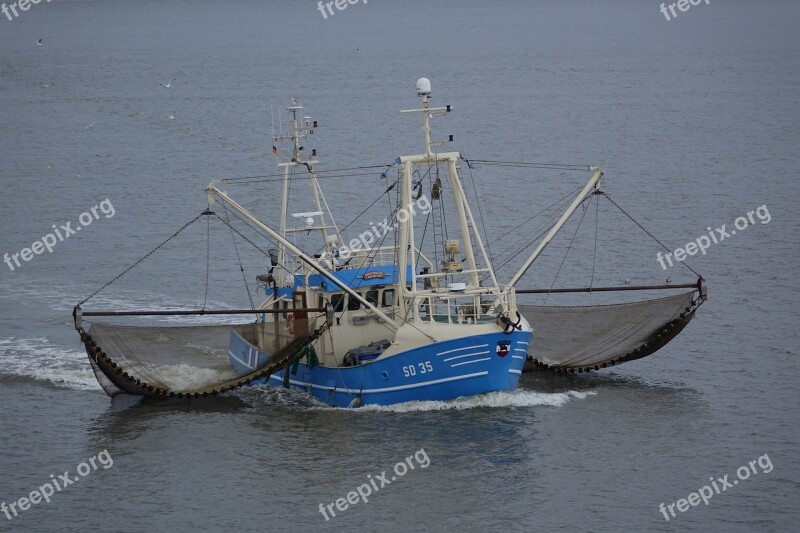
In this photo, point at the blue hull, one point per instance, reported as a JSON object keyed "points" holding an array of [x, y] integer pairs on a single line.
{"points": [[441, 371]]}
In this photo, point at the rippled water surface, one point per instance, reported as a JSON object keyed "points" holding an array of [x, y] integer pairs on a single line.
{"points": [[695, 121]]}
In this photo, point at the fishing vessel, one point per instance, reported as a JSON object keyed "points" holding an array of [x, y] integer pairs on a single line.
{"points": [[409, 310], [403, 329]]}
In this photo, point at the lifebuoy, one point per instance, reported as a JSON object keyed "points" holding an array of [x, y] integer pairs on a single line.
{"points": [[290, 323]]}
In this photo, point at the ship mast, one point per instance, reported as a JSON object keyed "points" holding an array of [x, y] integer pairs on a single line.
{"points": [[298, 132], [465, 218]]}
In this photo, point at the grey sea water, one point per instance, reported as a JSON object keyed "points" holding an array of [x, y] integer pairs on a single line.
{"points": [[695, 121]]}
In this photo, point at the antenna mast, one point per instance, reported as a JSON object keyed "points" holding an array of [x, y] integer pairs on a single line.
{"points": [[298, 132]]}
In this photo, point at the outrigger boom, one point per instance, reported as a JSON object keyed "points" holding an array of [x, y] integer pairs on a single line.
{"points": [[593, 183]]}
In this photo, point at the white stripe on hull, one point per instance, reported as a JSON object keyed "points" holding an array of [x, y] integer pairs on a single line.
{"points": [[470, 362], [464, 348], [385, 389], [465, 355]]}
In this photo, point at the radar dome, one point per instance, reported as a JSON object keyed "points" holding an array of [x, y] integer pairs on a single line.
{"points": [[423, 86]]}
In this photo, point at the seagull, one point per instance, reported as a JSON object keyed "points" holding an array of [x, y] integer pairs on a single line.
{"points": [[89, 126], [39, 42], [669, 279], [627, 281], [168, 84], [172, 115]]}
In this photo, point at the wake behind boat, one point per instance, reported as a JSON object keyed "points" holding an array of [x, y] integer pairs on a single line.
{"points": [[410, 310]]}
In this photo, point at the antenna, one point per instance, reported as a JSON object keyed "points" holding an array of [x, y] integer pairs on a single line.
{"points": [[424, 92]]}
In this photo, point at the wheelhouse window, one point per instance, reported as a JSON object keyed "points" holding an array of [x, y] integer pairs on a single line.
{"points": [[372, 297], [337, 300], [388, 298], [353, 304]]}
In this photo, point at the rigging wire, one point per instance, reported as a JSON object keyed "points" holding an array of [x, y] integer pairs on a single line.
{"points": [[392, 186], [596, 224], [539, 236], [559, 201], [390, 219], [391, 209], [143, 258], [208, 256], [551, 220], [279, 180], [239, 258], [650, 234], [380, 304], [257, 230], [264, 177], [480, 214], [531, 164], [569, 248], [443, 214], [422, 239]]}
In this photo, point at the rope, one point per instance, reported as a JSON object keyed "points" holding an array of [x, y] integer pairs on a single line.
{"points": [[522, 164], [258, 178], [178, 232], [208, 256], [554, 220], [364, 211], [422, 239], [569, 247], [238, 257], [239, 233], [596, 224], [391, 218], [151, 252], [510, 232], [650, 234], [480, 214]]}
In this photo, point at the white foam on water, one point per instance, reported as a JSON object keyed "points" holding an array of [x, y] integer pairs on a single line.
{"points": [[276, 396], [516, 398], [202, 348], [188, 377], [38, 358]]}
